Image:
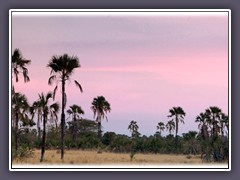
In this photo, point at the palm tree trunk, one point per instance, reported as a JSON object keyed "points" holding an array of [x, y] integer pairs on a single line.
{"points": [[16, 132], [62, 119], [43, 139], [38, 127], [74, 128], [99, 131], [176, 139]]}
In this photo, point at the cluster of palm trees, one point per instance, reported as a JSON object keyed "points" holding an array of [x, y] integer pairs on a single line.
{"points": [[213, 122], [62, 67]]}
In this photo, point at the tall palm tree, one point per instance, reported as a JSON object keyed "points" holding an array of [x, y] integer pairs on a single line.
{"points": [[177, 114], [75, 111], [133, 127], [100, 107], [20, 108], [160, 127], [62, 67], [46, 109]]}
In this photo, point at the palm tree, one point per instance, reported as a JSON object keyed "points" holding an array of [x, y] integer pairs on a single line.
{"points": [[62, 68], [177, 114], [170, 126], [224, 123], [75, 111], [20, 108], [19, 65], [160, 127], [133, 127], [213, 118], [54, 108], [36, 108], [100, 107], [202, 126]]}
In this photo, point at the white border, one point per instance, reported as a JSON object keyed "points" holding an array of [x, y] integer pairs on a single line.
{"points": [[98, 12]]}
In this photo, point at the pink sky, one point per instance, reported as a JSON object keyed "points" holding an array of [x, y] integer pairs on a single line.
{"points": [[143, 65]]}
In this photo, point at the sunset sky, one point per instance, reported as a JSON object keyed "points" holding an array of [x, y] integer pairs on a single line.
{"points": [[143, 64]]}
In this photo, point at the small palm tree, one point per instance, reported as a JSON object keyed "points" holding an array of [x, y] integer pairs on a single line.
{"points": [[224, 123], [160, 127], [100, 107], [20, 107], [133, 127], [54, 108], [36, 108], [170, 126], [62, 67], [75, 111]]}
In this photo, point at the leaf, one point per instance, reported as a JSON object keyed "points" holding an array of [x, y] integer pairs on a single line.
{"points": [[78, 85], [51, 79], [54, 92]]}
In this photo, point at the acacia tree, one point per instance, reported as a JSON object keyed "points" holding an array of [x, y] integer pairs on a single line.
{"points": [[177, 114], [46, 109], [62, 67], [75, 111], [133, 127], [100, 107]]}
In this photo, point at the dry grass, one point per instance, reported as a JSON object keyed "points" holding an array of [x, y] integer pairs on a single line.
{"points": [[79, 157]]}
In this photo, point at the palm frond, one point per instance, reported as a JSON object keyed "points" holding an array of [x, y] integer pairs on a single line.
{"points": [[78, 85], [51, 79], [54, 92]]}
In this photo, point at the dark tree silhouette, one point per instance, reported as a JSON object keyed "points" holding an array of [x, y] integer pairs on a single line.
{"points": [[62, 68], [100, 107]]}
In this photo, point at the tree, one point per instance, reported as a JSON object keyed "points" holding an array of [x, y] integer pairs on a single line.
{"points": [[177, 114], [170, 126], [62, 67], [100, 107], [160, 127], [202, 126], [54, 108], [75, 111], [20, 108], [213, 118], [133, 127], [19, 65], [224, 123], [36, 108]]}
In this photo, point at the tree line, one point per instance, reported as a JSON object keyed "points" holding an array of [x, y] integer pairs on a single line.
{"points": [[80, 133]]}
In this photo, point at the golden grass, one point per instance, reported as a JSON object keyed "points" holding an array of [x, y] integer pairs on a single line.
{"points": [[79, 157]]}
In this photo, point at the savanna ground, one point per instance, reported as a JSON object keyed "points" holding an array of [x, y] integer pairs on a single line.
{"points": [[80, 157]]}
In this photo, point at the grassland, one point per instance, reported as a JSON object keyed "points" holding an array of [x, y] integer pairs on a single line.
{"points": [[79, 157]]}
